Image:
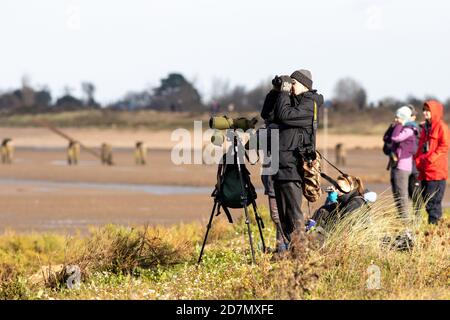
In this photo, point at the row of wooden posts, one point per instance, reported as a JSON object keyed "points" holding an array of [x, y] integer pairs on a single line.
{"points": [[73, 152], [106, 153]]}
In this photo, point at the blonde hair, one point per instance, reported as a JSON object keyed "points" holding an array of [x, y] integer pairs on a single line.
{"points": [[355, 183]]}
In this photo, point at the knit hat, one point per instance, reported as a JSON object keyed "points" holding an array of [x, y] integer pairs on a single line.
{"points": [[304, 77], [404, 113]]}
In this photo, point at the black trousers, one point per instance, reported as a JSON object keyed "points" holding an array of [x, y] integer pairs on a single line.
{"points": [[326, 215], [433, 192], [289, 201]]}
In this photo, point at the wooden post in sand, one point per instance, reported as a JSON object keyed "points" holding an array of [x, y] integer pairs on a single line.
{"points": [[69, 138]]}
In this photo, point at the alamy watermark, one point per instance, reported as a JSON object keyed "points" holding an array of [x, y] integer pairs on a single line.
{"points": [[374, 18], [210, 146], [73, 16], [74, 279], [373, 281]]}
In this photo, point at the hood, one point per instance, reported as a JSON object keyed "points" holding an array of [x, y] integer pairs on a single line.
{"points": [[437, 110]]}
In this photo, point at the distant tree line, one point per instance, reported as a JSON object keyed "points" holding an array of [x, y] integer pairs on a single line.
{"points": [[30, 100], [176, 93]]}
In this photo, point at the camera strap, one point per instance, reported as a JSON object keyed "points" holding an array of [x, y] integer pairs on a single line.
{"points": [[314, 126], [328, 178], [332, 165], [315, 116], [427, 128]]}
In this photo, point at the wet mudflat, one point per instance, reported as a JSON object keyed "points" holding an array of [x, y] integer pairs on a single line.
{"points": [[39, 192]]}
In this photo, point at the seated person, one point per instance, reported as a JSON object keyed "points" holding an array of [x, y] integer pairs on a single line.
{"points": [[346, 195]]}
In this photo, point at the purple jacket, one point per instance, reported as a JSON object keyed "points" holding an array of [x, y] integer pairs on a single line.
{"points": [[405, 140]]}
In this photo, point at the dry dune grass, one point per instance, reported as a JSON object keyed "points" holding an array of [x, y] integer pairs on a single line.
{"points": [[368, 240], [160, 263]]}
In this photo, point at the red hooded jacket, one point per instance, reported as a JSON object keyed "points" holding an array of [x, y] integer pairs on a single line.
{"points": [[433, 165]]}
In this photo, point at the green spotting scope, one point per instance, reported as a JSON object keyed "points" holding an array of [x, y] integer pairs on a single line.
{"points": [[225, 123]]}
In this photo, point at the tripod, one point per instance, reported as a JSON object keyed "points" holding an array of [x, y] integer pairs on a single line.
{"points": [[237, 145]]}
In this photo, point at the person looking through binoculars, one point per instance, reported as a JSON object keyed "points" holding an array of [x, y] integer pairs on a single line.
{"points": [[267, 114], [292, 105]]}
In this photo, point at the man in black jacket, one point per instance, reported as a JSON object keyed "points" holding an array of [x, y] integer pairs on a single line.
{"points": [[268, 114], [295, 112]]}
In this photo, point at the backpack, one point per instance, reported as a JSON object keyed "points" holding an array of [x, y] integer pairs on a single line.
{"points": [[416, 131], [228, 190], [403, 241], [389, 145]]}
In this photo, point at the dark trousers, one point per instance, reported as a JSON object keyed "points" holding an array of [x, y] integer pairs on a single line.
{"points": [[326, 215], [289, 200], [399, 182], [433, 193], [280, 238], [269, 190]]}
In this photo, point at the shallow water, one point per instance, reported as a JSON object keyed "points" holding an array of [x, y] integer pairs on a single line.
{"points": [[48, 186], [41, 216], [51, 186]]}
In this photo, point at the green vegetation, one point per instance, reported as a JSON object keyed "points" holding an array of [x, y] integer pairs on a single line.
{"points": [[106, 119], [160, 263]]}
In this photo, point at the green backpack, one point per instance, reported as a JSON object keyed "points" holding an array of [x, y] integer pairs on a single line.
{"points": [[228, 191]]}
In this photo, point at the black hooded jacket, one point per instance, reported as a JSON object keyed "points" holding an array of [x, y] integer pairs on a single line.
{"points": [[268, 109], [295, 116], [351, 201], [346, 204]]}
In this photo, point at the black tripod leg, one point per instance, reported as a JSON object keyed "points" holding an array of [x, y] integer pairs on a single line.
{"points": [[243, 195], [247, 222], [208, 227], [260, 223]]}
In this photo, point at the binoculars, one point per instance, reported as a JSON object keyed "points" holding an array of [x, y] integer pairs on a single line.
{"points": [[277, 81]]}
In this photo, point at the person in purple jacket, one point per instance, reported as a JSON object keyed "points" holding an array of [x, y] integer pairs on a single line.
{"points": [[404, 148]]}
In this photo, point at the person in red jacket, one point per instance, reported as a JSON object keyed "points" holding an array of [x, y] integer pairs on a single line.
{"points": [[432, 159]]}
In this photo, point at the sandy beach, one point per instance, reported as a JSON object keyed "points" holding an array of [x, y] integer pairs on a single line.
{"points": [[40, 192]]}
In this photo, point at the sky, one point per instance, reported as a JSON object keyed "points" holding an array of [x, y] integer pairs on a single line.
{"points": [[393, 48]]}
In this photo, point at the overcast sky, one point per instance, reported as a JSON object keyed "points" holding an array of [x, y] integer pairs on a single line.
{"points": [[394, 48]]}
